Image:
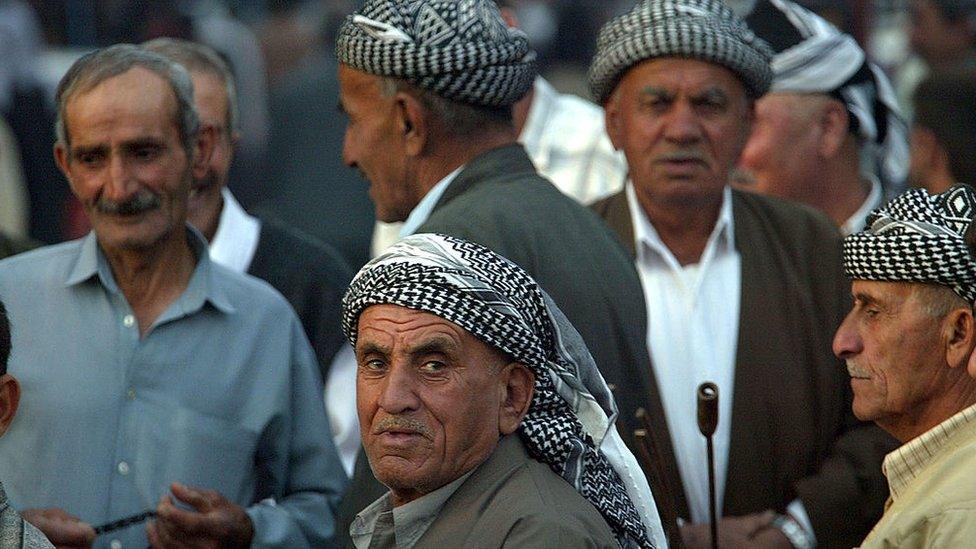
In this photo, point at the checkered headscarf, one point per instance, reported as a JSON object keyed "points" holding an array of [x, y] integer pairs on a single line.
{"points": [[699, 29], [918, 237], [458, 49], [812, 56], [572, 409]]}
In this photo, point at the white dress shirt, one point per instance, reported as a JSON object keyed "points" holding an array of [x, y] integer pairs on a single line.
{"points": [[422, 211], [693, 327], [233, 246]]}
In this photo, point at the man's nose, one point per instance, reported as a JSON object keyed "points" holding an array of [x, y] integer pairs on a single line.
{"points": [[847, 341], [120, 182], [683, 124], [399, 393]]}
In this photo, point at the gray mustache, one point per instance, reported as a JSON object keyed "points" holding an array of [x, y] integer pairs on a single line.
{"points": [[399, 423], [679, 156], [140, 202]]}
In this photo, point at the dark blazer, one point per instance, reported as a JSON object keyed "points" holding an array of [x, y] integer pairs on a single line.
{"points": [[500, 201], [793, 431], [512, 500], [313, 278]]}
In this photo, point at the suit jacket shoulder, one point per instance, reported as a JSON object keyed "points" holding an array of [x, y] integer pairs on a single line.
{"points": [[512, 500], [312, 276]]}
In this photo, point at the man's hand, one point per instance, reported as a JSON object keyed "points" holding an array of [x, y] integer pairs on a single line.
{"points": [[216, 522], [749, 532], [63, 530]]}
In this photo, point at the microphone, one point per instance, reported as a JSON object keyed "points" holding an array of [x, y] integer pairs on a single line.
{"points": [[707, 422]]}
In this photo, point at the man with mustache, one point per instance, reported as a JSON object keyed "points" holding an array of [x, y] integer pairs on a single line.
{"points": [[482, 410], [311, 275], [907, 342], [741, 290], [153, 378], [428, 88]]}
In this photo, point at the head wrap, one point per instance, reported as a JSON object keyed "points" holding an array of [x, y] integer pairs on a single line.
{"points": [[812, 56], [699, 29], [918, 237], [458, 49], [572, 410]]}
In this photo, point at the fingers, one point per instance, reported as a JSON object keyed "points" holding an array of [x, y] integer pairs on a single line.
{"points": [[61, 528], [173, 521], [201, 500]]}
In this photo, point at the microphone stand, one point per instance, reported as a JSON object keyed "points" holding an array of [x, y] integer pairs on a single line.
{"points": [[707, 422]]}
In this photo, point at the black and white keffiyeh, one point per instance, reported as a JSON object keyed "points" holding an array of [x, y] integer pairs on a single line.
{"points": [[918, 237], [698, 29], [459, 49], [572, 410], [812, 56]]}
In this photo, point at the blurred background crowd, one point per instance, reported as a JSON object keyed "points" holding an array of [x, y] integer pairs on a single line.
{"points": [[288, 163]]}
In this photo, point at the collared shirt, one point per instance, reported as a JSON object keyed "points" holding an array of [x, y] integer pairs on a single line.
{"points": [[15, 532], [693, 326], [381, 525], [237, 235], [222, 392], [933, 497], [856, 222], [422, 211], [234, 245]]}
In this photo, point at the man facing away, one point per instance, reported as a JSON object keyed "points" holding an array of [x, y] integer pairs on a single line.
{"points": [[907, 342], [741, 290], [482, 411], [155, 379]]}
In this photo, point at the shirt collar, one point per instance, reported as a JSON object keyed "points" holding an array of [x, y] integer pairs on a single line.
{"points": [[646, 237], [203, 286], [426, 206], [903, 465], [237, 235], [855, 222], [410, 520]]}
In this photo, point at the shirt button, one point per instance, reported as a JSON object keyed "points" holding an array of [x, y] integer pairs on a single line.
{"points": [[115, 544], [128, 321], [131, 394], [123, 468]]}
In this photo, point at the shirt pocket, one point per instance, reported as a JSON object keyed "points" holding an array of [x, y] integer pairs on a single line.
{"points": [[186, 446]]}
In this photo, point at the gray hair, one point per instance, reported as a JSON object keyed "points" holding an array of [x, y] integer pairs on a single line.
{"points": [[100, 65], [458, 119], [196, 57], [937, 300]]}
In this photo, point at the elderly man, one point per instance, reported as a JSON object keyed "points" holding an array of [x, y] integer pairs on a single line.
{"points": [[742, 290], [150, 373], [428, 88], [15, 532], [311, 275], [829, 133], [482, 411], [907, 341]]}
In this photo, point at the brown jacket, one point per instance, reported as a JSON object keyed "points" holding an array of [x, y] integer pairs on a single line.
{"points": [[793, 431]]}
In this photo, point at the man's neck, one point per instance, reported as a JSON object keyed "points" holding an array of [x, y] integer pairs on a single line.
{"points": [[683, 226], [440, 163], [842, 199], [153, 278]]}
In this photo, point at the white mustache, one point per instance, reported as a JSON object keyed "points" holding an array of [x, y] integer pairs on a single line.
{"points": [[856, 371]]}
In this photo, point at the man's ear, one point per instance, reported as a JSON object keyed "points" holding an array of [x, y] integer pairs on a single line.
{"points": [[412, 122], [612, 122], [517, 385], [61, 158], [960, 338], [203, 147], [9, 400], [834, 123]]}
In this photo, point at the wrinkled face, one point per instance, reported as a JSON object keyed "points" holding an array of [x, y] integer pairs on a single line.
{"points": [[126, 163], [894, 353], [210, 97], [782, 155], [681, 124], [429, 399], [374, 144]]}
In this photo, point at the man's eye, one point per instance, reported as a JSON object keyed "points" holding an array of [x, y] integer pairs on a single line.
{"points": [[145, 153], [433, 367], [374, 365]]}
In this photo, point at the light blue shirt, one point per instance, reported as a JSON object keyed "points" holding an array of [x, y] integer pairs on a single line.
{"points": [[423, 210], [222, 393]]}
